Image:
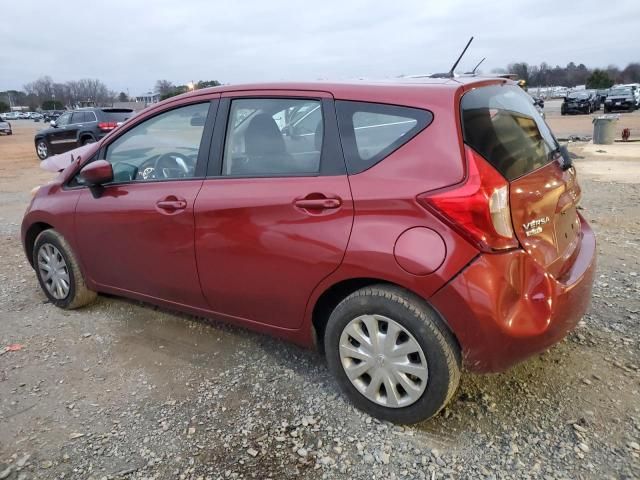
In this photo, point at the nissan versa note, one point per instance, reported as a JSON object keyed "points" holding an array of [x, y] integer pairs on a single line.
{"points": [[408, 230]]}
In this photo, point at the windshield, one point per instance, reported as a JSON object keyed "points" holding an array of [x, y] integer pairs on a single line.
{"points": [[622, 92], [579, 95]]}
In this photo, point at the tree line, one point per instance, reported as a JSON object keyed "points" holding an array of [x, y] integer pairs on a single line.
{"points": [[544, 75], [167, 89], [46, 94]]}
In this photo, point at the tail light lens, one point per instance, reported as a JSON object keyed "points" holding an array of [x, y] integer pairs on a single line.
{"points": [[107, 125], [478, 209]]}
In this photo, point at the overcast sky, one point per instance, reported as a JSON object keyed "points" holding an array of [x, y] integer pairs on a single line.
{"points": [[129, 44]]}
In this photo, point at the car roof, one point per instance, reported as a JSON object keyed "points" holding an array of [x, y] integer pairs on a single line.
{"points": [[384, 90]]}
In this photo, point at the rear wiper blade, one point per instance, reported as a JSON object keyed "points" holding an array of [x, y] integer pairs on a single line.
{"points": [[565, 159]]}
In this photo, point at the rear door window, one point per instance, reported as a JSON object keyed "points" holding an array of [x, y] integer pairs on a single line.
{"points": [[116, 115], [79, 117], [501, 123], [372, 131], [273, 137]]}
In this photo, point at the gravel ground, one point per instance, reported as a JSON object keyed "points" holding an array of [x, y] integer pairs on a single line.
{"points": [[125, 390]]}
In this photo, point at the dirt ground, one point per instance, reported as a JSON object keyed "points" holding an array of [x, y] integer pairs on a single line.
{"points": [[122, 389]]}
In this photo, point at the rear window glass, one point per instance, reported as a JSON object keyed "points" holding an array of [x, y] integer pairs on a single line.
{"points": [[116, 115], [371, 131], [502, 124]]}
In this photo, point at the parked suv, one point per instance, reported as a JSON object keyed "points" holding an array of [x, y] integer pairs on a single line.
{"points": [[620, 98], [406, 230], [79, 127]]}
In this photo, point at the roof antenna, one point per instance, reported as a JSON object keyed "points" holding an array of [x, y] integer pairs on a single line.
{"points": [[473, 72], [450, 74], [459, 58]]}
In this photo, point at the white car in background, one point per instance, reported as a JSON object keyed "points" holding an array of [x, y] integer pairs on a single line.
{"points": [[5, 127], [635, 89]]}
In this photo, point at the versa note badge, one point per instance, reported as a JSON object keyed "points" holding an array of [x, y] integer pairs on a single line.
{"points": [[534, 227]]}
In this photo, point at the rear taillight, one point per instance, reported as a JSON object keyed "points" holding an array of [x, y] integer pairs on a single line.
{"points": [[479, 208], [107, 125]]}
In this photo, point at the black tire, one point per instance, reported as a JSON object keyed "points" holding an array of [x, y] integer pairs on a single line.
{"points": [[438, 344], [46, 151], [87, 141], [79, 295]]}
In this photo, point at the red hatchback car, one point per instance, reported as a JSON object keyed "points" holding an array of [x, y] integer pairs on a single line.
{"points": [[407, 229]]}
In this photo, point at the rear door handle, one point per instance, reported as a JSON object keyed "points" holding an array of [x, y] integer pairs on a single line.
{"points": [[171, 204], [318, 203]]}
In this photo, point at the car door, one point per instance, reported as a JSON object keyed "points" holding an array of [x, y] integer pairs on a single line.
{"points": [[78, 121], [58, 138], [136, 235], [272, 219]]}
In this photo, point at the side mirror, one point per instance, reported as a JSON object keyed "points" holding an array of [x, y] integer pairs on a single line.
{"points": [[97, 173], [53, 123]]}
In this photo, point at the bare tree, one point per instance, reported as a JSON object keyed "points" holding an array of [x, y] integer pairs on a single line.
{"points": [[631, 74], [42, 88], [164, 87], [88, 90]]}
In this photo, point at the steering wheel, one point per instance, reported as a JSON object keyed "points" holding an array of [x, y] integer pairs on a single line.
{"points": [[167, 165]]}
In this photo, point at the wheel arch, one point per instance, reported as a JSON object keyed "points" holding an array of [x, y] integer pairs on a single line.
{"points": [[84, 135], [333, 295], [30, 238]]}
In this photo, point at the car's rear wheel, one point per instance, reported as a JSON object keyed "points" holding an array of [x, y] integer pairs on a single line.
{"points": [[392, 354], [42, 149], [59, 273], [87, 140]]}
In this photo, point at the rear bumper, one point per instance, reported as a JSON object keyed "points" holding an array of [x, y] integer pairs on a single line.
{"points": [[622, 106], [504, 308]]}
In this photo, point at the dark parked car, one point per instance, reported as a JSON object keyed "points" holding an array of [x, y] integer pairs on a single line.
{"points": [[404, 229], [5, 127], [597, 103], [579, 102], [602, 95], [80, 127], [620, 99], [49, 115]]}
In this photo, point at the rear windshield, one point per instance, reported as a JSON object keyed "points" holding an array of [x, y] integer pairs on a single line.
{"points": [[501, 123], [620, 92], [578, 95], [116, 114]]}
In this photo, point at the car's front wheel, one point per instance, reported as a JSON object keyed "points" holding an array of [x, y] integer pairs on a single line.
{"points": [[42, 148], [392, 354], [59, 273]]}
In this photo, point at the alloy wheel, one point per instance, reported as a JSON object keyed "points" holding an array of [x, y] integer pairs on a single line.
{"points": [[383, 361], [53, 271], [42, 150]]}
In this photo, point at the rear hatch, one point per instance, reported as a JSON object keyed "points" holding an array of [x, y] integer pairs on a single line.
{"points": [[501, 124]]}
